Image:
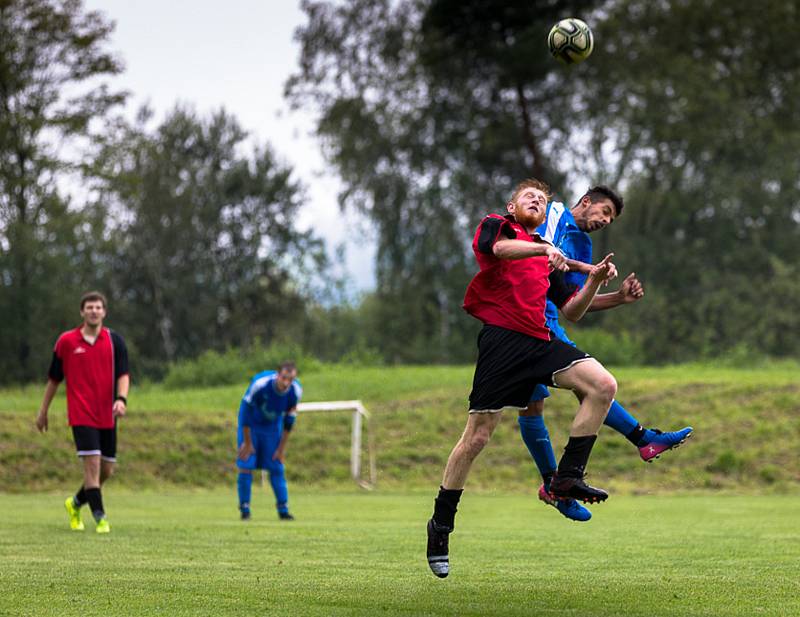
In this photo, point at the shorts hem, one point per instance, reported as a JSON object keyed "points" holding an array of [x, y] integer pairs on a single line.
{"points": [[566, 368], [498, 410], [89, 452], [110, 459]]}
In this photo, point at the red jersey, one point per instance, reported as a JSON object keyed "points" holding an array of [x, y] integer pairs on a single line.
{"points": [[512, 293], [91, 371]]}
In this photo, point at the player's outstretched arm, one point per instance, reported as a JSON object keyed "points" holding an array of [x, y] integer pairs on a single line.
{"points": [[522, 249], [630, 291], [49, 393], [577, 306]]}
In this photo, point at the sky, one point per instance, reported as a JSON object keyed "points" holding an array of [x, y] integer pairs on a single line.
{"points": [[237, 55]]}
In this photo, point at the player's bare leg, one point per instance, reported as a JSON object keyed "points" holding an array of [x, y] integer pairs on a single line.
{"points": [[477, 433], [595, 388]]}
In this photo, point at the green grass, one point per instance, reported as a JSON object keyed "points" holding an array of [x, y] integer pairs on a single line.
{"points": [[746, 432], [352, 553]]}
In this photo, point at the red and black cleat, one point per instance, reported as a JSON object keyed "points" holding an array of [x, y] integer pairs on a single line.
{"points": [[575, 488]]}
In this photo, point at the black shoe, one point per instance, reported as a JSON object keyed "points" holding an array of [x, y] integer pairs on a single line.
{"points": [[576, 488], [285, 516], [438, 551], [245, 514]]}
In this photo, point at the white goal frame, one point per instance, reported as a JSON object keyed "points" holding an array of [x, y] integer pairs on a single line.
{"points": [[361, 416]]}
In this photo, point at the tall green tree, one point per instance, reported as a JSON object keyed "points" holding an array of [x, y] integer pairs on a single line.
{"points": [[693, 106], [53, 59], [430, 112], [207, 251]]}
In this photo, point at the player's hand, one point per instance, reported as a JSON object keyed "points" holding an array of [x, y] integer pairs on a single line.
{"points": [[279, 456], [631, 289], [246, 450], [556, 259], [119, 409], [603, 270], [41, 421]]}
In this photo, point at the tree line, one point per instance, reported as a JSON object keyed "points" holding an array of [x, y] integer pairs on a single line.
{"points": [[429, 112]]}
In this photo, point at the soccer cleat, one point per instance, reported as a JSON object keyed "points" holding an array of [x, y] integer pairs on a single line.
{"points": [[575, 488], [244, 511], [662, 442], [75, 521], [285, 516], [438, 551], [568, 507], [103, 526]]}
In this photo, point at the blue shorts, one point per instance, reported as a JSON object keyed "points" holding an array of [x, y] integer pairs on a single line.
{"points": [[541, 392], [265, 444]]}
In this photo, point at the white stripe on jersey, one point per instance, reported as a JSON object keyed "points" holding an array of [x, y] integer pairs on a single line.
{"points": [[557, 210], [257, 385]]}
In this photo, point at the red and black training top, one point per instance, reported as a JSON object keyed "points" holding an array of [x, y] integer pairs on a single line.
{"points": [[91, 371], [512, 293]]}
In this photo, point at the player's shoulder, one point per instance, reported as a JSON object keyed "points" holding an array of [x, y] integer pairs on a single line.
{"points": [[68, 337], [261, 380]]}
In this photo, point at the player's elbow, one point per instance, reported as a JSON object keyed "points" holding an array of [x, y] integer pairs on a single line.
{"points": [[572, 313]]}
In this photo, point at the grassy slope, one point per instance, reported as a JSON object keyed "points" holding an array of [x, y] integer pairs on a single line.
{"points": [[362, 554], [746, 423]]}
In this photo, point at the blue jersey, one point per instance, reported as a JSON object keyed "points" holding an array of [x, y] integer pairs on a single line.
{"points": [[265, 409], [560, 228]]}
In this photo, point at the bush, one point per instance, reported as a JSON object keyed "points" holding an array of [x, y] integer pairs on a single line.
{"points": [[612, 349], [235, 366]]}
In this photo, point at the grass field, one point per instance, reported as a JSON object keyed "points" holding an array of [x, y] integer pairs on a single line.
{"points": [[363, 554]]}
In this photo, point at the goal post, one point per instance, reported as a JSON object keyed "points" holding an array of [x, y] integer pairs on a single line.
{"points": [[361, 417]]}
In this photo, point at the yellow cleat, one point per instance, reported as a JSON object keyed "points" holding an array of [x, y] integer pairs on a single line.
{"points": [[103, 526], [75, 522]]}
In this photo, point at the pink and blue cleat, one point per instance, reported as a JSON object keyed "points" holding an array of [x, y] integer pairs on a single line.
{"points": [[568, 507], [661, 442]]}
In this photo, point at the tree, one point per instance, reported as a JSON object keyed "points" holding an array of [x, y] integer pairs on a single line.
{"points": [[208, 254], [430, 112], [52, 62]]}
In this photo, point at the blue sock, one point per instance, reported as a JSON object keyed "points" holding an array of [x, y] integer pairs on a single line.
{"points": [[620, 420], [537, 439], [245, 485], [278, 481]]}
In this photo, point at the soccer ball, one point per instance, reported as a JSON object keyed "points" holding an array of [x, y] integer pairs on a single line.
{"points": [[570, 41]]}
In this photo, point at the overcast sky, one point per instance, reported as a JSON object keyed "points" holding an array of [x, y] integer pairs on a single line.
{"points": [[235, 54]]}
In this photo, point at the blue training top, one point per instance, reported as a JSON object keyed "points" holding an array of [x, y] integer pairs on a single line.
{"points": [[560, 228], [263, 408]]}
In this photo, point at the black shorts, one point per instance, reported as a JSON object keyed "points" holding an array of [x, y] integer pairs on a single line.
{"points": [[90, 440], [510, 364]]}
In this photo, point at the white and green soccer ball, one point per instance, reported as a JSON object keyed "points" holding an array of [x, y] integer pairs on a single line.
{"points": [[570, 41]]}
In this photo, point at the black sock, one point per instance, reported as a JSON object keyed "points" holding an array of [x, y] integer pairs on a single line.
{"points": [[445, 507], [80, 498], [576, 455], [635, 436], [95, 499]]}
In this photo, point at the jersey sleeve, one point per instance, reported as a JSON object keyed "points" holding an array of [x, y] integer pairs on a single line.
{"points": [[120, 355], [290, 415], [492, 229], [560, 291], [56, 370], [246, 411]]}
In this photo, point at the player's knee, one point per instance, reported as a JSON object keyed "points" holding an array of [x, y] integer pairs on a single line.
{"points": [[605, 387], [478, 441]]}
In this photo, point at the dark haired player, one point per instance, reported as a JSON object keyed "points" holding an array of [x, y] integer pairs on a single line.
{"points": [[518, 272], [266, 417], [94, 362], [568, 229]]}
